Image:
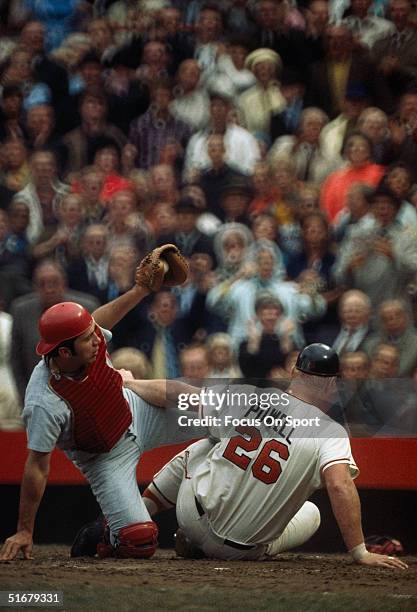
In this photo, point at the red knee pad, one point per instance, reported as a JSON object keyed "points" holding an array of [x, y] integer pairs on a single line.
{"points": [[137, 541]]}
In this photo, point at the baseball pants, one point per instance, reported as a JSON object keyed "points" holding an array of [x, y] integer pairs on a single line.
{"points": [[112, 475]]}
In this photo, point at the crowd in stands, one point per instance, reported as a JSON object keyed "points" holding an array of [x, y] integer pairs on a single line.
{"points": [[274, 143]]}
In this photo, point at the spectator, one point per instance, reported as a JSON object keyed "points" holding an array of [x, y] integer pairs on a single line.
{"points": [[90, 186], [45, 70], [242, 150], [235, 297], [187, 237], [335, 133], [101, 37], [355, 328], [163, 339], [10, 407], [292, 86], [366, 28], [373, 122], [164, 185], [268, 339], [89, 272], [81, 142], [156, 127], [58, 19], [132, 360], [17, 242], [343, 66], [231, 74], [259, 103], [191, 103], [359, 168], [194, 362], [214, 178], [272, 32], [398, 181], [49, 284], [379, 257], [354, 366], [42, 132], [394, 55], [63, 242], [207, 45], [42, 194], [107, 160], [396, 330], [127, 96], [11, 121], [235, 198], [154, 63], [221, 357], [125, 224], [312, 161], [312, 269], [231, 243], [123, 259], [385, 362], [16, 168], [357, 207]]}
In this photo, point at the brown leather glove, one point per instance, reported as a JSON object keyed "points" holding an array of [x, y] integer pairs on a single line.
{"points": [[162, 267]]}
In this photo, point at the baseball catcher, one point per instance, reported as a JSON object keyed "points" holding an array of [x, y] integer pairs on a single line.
{"points": [[77, 401]]}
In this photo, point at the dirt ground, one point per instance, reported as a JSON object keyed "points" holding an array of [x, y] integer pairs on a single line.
{"points": [[299, 582]]}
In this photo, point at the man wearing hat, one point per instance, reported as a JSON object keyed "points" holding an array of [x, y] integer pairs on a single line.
{"points": [[187, 237], [259, 103], [243, 493], [379, 255], [77, 401]]}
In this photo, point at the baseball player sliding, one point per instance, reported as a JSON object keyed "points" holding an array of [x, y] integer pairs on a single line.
{"points": [[75, 400], [243, 494]]}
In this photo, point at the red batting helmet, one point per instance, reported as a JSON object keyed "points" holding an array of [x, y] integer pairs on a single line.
{"points": [[62, 322]]}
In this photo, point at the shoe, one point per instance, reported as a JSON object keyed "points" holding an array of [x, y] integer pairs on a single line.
{"points": [[184, 548], [87, 539]]}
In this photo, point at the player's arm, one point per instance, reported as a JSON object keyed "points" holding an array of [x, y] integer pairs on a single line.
{"points": [[161, 393], [346, 508], [34, 480], [110, 314]]}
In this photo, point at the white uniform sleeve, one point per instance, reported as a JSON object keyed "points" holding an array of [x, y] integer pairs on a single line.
{"points": [[43, 428], [336, 450]]}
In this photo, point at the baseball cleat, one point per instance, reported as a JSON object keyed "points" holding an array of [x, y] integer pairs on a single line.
{"points": [[88, 537]]}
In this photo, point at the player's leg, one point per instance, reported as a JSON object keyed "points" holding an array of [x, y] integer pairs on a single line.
{"points": [[195, 526], [162, 492], [300, 529], [112, 477], [159, 426]]}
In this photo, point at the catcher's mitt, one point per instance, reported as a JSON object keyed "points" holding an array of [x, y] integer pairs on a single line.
{"points": [[162, 267], [384, 545]]}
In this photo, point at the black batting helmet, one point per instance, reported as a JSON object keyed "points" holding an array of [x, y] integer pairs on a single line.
{"points": [[318, 359]]}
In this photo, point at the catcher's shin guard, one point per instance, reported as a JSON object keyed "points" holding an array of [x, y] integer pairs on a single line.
{"points": [[136, 541]]}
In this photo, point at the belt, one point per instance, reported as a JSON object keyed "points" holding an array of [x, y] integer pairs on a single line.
{"points": [[201, 512]]}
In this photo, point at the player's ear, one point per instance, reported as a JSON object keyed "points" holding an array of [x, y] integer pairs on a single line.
{"points": [[64, 351]]}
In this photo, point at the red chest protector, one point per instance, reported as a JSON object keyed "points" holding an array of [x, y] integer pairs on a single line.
{"points": [[100, 412]]}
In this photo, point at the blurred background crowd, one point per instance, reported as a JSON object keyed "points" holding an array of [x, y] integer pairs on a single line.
{"points": [[274, 143]]}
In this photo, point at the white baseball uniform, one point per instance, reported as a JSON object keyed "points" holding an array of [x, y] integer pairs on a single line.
{"points": [[249, 485]]}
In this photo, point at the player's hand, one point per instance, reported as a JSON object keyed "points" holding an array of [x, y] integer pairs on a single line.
{"points": [[375, 560], [20, 541], [126, 375]]}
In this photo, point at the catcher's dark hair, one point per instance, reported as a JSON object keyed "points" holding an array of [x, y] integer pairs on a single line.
{"points": [[55, 351]]}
